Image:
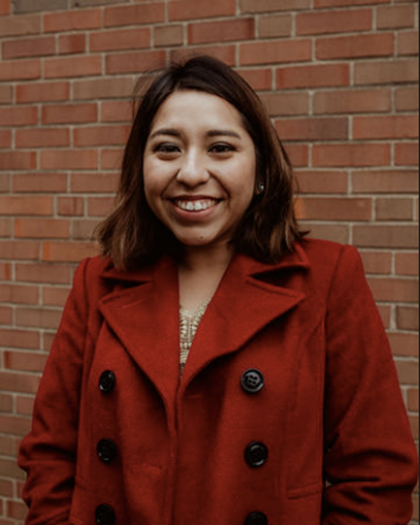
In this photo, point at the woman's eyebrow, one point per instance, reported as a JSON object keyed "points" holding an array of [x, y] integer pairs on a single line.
{"points": [[165, 131], [211, 133], [225, 132]]}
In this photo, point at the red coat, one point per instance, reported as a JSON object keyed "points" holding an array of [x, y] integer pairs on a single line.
{"points": [[117, 433]]}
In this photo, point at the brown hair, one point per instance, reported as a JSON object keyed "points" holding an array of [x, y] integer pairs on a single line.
{"points": [[132, 235]]}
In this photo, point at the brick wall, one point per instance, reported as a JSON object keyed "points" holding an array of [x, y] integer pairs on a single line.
{"points": [[339, 79]]}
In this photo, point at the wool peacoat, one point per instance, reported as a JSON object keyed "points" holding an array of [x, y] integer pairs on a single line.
{"points": [[288, 410]]}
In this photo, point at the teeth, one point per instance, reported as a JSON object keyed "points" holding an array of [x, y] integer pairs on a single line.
{"points": [[195, 205]]}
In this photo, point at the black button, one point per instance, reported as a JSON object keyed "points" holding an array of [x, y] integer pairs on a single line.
{"points": [[105, 515], [256, 454], [107, 381], [107, 450], [256, 518], [252, 381]]}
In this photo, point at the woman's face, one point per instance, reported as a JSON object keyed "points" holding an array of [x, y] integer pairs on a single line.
{"points": [[199, 168]]}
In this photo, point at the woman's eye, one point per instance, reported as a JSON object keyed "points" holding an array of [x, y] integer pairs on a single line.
{"points": [[221, 148], [166, 148]]}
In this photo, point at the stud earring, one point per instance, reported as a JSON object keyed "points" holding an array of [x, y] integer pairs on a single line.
{"points": [[260, 187]]}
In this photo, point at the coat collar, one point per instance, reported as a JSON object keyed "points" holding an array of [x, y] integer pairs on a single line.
{"points": [[145, 315]]}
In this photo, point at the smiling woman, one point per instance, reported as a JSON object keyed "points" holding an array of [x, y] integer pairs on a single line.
{"points": [[215, 366]]}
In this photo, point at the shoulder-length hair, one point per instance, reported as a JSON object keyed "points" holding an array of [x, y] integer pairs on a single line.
{"points": [[132, 235]]}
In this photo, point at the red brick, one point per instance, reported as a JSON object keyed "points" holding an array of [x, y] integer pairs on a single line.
{"points": [[43, 273], [413, 399], [407, 263], [298, 154], [335, 208], [22, 205], [385, 127], [355, 46], [70, 44], [24, 405], [24, 361], [83, 229], [352, 101], [14, 425], [5, 138], [72, 20], [408, 372], [20, 70], [134, 14], [6, 94], [100, 206], [318, 181], [9, 468], [329, 232], [4, 182], [258, 79], [335, 155], [6, 405], [20, 25], [120, 111], [94, 182], [313, 76], [408, 43], [42, 228], [69, 113], [313, 129], [226, 53], [67, 251], [39, 182], [6, 317], [404, 344], [377, 262], [72, 67], [37, 317], [187, 10], [122, 39], [70, 206], [389, 236], [13, 338], [5, 228], [134, 62], [389, 72], [224, 31], [102, 88], [18, 116], [251, 6], [342, 3], [17, 160], [394, 289], [101, 135], [111, 159], [407, 154], [394, 209], [4, 10], [286, 103], [385, 313], [273, 26], [5, 271], [171, 35], [42, 138], [315, 23], [407, 318], [276, 52], [55, 296], [385, 181], [28, 250], [19, 294], [69, 159], [392, 17], [42, 92], [41, 46]]}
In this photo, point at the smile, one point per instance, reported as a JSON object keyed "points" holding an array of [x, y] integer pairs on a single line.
{"points": [[197, 205]]}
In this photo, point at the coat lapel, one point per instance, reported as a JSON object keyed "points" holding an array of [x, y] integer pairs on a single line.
{"points": [[145, 318], [241, 307]]}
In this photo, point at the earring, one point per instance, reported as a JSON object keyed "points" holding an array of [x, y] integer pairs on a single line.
{"points": [[260, 187]]}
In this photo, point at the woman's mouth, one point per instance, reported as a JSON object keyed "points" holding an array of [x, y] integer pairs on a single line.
{"points": [[195, 205]]}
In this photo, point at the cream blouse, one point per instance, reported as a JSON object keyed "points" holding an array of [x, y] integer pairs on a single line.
{"points": [[188, 324]]}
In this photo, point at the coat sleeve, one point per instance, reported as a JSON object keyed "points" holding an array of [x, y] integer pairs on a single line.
{"points": [[48, 452], [370, 458]]}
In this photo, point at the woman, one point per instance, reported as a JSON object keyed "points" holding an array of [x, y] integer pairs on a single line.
{"points": [[215, 367]]}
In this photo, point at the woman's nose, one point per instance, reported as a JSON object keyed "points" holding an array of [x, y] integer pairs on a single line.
{"points": [[193, 170]]}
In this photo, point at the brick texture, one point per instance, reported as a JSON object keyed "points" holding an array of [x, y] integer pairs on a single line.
{"points": [[339, 80]]}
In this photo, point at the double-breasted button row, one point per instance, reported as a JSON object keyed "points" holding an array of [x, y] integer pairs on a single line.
{"points": [[106, 450], [252, 381], [107, 382], [256, 454], [256, 518], [104, 515]]}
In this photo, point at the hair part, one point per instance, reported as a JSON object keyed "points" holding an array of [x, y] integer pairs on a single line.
{"points": [[132, 235]]}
